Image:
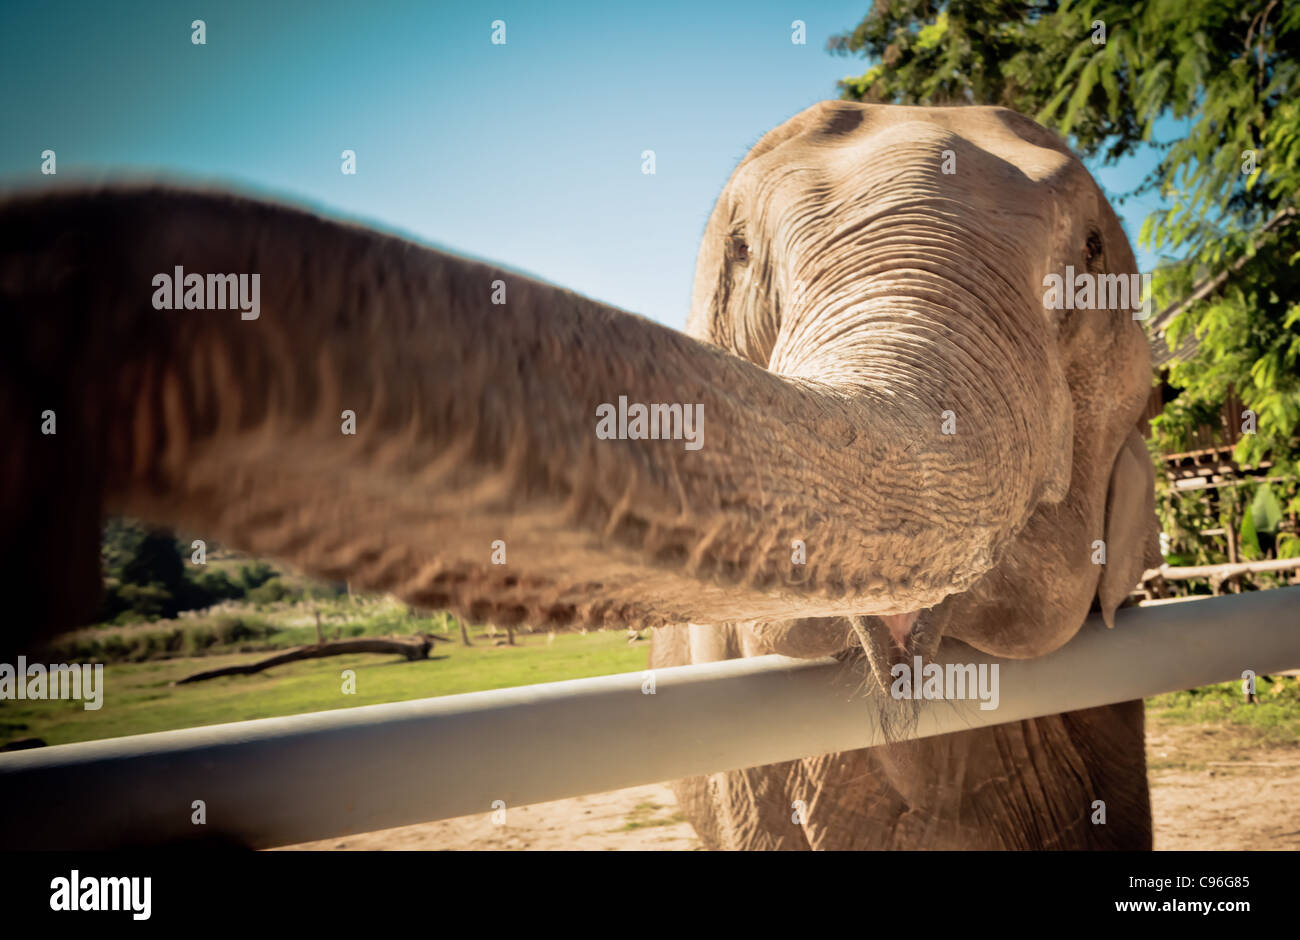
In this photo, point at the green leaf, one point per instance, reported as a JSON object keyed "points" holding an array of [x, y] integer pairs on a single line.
{"points": [[931, 35], [1247, 539], [1265, 510]]}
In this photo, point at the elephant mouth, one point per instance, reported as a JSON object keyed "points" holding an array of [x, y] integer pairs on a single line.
{"points": [[897, 639]]}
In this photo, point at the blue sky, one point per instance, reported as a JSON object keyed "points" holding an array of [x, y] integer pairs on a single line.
{"points": [[528, 154]]}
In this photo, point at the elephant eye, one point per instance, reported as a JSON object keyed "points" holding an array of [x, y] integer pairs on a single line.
{"points": [[737, 248], [1092, 251]]}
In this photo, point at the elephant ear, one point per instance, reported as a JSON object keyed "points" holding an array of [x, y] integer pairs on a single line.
{"points": [[1132, 534]]}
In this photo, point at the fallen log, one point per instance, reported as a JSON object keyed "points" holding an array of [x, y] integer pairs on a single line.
{"points": [[413, 648]]}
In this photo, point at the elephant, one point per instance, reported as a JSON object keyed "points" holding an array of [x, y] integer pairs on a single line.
{"points": [[879, 384]]}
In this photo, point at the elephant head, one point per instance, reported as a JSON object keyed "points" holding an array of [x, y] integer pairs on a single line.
{"points": [[900, 254], [897, 436]]}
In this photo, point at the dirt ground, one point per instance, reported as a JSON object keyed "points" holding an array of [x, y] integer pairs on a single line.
{"points": [[633, 819], [1207, 792]]}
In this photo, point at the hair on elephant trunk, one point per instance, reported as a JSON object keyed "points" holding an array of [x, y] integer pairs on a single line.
{"points": [[888, 653]]}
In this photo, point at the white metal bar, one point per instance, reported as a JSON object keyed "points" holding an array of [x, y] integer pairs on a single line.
{"points": [[282, 780]]}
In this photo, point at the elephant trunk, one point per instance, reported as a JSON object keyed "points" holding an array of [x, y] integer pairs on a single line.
{"points": [[455, 433], [915, 317]]}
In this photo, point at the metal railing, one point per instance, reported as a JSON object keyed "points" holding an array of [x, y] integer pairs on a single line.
{"points": [[278, 781]]}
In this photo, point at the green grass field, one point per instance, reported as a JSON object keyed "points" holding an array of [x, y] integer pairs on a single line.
{"points": [[138, 697], [1273, 720]]}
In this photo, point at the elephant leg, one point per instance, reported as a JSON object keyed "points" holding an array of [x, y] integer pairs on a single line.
{"points": [[1113, 740], [747, 809], [1025, 785], [1071, 781]]}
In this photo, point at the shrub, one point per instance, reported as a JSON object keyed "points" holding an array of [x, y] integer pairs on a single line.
{"points": [[255, 574], [232, 628], [274, 591], [145, 601]]}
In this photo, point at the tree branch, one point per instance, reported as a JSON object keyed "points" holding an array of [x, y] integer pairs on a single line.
{"points": [[1209, 286]]}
